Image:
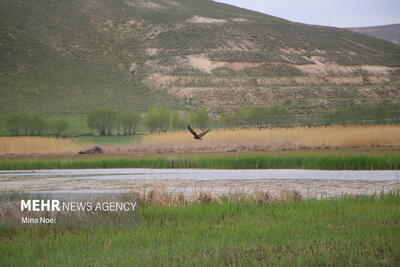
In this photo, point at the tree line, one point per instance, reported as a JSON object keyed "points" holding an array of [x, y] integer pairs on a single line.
{"points": [[280, 116], [108, 121], [31, 124], [363, 115]]}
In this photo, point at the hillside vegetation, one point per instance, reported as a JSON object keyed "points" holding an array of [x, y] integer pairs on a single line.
{"points": [[68, 57]]}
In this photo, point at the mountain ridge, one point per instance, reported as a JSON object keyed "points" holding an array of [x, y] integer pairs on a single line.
{"points": [[390, 32]]}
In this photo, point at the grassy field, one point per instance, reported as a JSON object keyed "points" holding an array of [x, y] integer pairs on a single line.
{"points": [[360, 231]]}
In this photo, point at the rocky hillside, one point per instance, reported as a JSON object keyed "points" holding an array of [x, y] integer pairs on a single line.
{"points": [[70, 56], [389, 33]]}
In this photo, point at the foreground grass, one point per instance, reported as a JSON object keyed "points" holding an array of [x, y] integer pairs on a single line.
{"points": [[218, 161], [351, 231]]}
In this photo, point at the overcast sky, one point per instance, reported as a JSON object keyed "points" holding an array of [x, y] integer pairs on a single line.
{"points": [[338, 13]]}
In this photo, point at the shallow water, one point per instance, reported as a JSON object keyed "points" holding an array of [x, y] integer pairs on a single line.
{"points": [[204, 174], [311, 183]]}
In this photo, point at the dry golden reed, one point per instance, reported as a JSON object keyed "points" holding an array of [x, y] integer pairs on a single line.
{"points": [[164, 197], [275, 139], [37, 145]]}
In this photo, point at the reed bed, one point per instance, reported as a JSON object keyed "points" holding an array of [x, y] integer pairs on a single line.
{"points": [[329, 162], [37, 145], [162, 197], [269, 139]]}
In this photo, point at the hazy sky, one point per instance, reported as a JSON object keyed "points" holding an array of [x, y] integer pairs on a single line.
{"points": [[338, 13]]}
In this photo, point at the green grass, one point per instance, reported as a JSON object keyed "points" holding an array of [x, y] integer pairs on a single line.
{"points": [[360, 231], [246, 161]]}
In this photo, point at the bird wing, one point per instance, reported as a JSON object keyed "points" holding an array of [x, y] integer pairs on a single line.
{"points": [[193, 132], [203, 133]]}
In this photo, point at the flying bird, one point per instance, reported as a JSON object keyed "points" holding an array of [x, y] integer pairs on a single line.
{"points": [[195, 135]]}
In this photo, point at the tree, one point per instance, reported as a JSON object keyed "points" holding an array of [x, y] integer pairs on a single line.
{"points": [[394, 112], [60, 126], [26, 124], [14, 124], [200, 119], [177, 122], [102, 120], [38, 125], [279, 116], [229, 120], [129, 122], [257, 116], [326, 117], [157, 120]]}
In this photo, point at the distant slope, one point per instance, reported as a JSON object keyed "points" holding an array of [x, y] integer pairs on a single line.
{"points": [[389, 33], [72, 56]]}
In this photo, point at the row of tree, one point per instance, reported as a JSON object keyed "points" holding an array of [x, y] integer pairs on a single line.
{"points": [[363, 115], [279, 116], [29, 124], [108, 121]]}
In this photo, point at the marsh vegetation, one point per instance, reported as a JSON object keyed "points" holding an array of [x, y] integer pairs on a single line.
{"points": [[225, 149], [360, 230]]}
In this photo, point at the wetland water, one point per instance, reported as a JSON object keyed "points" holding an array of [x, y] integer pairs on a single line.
{"points": [[311, 183]]}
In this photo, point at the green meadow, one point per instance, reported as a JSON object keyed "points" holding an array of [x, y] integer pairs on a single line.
{"points": [[351, 231]]}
